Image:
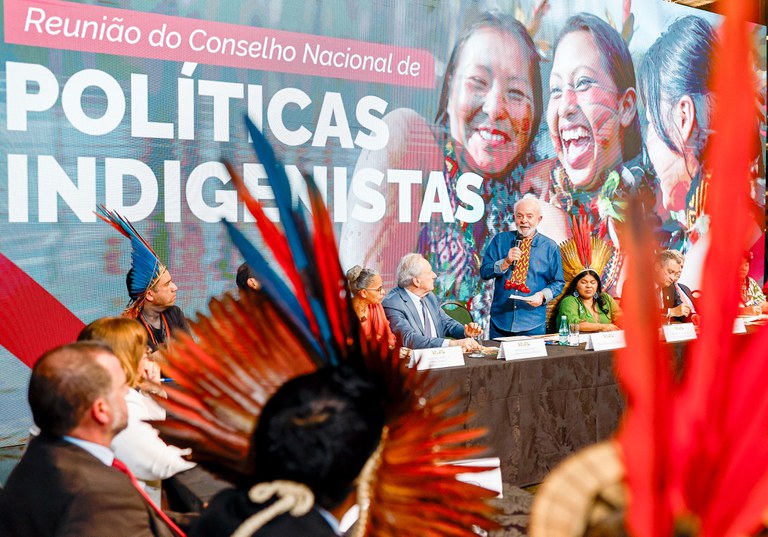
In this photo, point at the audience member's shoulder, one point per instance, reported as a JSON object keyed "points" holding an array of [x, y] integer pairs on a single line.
{"points": [[391, 297], [176, 317], [230, 508]]}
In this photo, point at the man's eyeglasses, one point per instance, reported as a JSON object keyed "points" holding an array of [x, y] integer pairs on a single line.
{"points": [[378, 289]]}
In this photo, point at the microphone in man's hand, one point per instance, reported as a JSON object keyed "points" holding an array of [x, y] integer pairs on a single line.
{"points": [[518, 243]]}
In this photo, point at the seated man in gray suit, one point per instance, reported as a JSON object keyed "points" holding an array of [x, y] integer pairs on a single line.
{"points": [[414, 312]]}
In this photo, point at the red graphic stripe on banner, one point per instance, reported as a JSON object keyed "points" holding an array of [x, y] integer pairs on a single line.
{"points": [[32, 320]]}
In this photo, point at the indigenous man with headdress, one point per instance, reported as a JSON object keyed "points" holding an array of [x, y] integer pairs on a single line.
{"points": [[527, 272], [150, 287], [282, 393]]}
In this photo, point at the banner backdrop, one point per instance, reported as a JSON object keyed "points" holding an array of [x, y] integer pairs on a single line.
{"points": [[421, 126]]}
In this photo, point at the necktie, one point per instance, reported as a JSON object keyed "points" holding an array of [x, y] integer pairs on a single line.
{"points": [[120, 465], [427, 324]]}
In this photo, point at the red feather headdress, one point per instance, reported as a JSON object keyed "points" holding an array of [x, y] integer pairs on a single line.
{"points": [[246, 349]]}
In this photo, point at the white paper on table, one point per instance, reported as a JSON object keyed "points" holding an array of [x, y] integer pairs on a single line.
{"points": [[752, 319], [606, 341]]}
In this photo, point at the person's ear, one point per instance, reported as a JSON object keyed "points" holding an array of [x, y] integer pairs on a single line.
{"points": [[628, 107], [684, 116], [253, 283], [101, 412], [149, 296]]}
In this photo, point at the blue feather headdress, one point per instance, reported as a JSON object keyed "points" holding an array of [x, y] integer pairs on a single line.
{"points": [[146, 268]]}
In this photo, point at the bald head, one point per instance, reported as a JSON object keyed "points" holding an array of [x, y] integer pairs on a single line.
{"points": [[67, 381]]}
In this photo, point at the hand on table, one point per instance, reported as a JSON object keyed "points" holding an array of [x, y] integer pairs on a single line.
{"points": [[467, 344], [680, 311], [609, 328]]}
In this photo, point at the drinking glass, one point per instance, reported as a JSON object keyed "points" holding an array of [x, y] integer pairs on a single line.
{"points": [[573, 334], [478, 353]]}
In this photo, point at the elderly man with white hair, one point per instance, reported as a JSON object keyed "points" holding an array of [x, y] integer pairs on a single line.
{"points": [[414, 311], [528, 272]]}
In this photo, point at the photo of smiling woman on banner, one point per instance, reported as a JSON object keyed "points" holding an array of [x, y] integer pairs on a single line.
{"points": [[489, 111], [594, 128]]}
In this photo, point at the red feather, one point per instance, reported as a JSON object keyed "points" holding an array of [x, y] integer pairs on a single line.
{"points": [[688, 446]]}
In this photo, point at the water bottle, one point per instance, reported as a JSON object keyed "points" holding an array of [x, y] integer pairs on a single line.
{"points": [[563, 332]]}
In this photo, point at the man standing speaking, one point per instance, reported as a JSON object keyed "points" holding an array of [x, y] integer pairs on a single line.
{"points": [[528, 272]]}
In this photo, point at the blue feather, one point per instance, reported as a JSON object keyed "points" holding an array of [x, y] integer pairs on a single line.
{"points": [[274, 286], [144, 262], [278, 180]]}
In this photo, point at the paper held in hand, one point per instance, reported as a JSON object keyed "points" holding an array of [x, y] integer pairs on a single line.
{"points": [[522, 348], [436, 358], [606, 341], [678, 332], [523, 298]]}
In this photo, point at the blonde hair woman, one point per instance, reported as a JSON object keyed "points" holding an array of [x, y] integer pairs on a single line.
{"points": [[139, 446]]}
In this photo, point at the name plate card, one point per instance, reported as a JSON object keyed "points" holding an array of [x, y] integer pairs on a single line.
{"points": [[679, 332], [606, 341], [490, 479], [522, 348], [436, 358], [738, 326]]}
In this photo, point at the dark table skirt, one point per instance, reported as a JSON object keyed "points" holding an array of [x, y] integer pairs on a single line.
{"points": [[539, 410]]}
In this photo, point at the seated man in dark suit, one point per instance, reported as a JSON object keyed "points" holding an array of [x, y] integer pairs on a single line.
{"points": [[65, 484], [675, 299], [414, 312]]}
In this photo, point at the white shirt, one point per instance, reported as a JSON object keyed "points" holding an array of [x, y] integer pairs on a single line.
{"points": [[142, 450]]}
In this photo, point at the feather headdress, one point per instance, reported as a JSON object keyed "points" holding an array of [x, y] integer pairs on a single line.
{"points": [[146, 268], [584, 251], [694, 444], [247, 348]]}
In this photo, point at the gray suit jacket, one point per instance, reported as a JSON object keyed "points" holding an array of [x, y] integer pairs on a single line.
{"points": [[407, 323]]}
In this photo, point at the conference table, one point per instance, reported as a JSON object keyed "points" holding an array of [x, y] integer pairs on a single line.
{"points": [[537, 410]]}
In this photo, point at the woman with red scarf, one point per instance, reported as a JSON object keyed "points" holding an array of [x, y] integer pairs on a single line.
{"points": [[367, 291]]}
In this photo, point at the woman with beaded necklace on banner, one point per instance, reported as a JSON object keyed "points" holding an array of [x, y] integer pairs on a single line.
{"points": [[595, 129], [489, 112]]}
